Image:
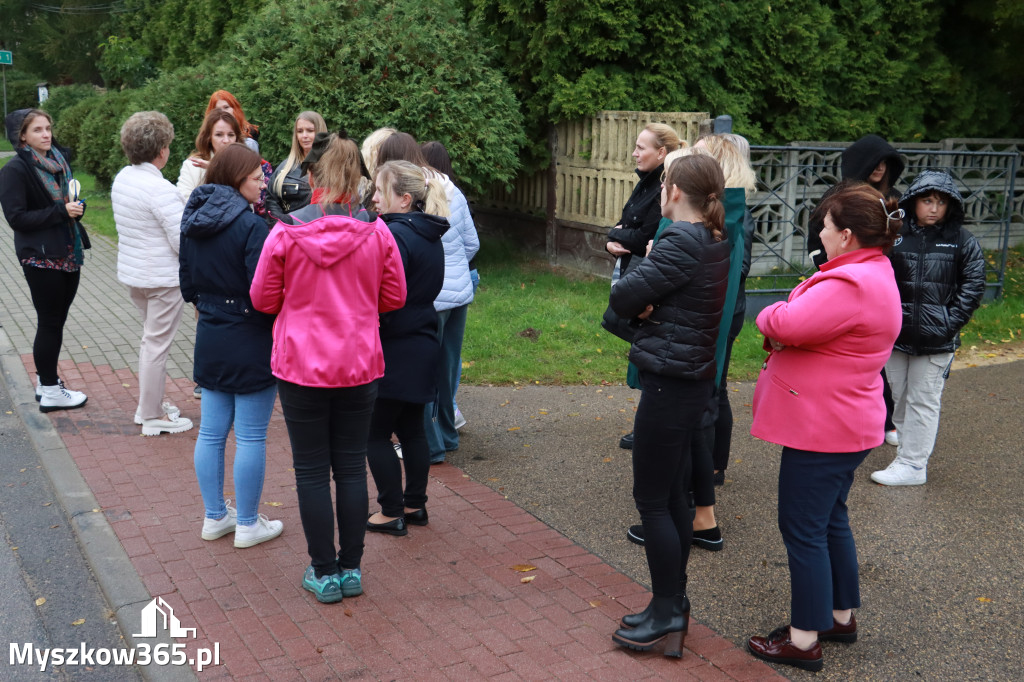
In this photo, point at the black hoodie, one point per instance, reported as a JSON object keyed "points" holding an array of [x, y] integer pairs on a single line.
{"points": [[859, 161]]}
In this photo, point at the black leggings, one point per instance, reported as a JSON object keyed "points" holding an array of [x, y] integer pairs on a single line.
{"points": [[669, 411], [406, 420], [52, 293], [328, 428]]}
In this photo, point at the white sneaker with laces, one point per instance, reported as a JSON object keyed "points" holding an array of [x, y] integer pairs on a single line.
{"points": [[218, 528], [264, 529], [58, 397], [899, 473], [154, 427], [892, 438], [170, 410]]}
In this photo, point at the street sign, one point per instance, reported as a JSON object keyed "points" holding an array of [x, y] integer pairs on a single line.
{"points": [[6, 57]]}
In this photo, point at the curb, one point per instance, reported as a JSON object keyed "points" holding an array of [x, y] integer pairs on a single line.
{"points": [[120, 583]]}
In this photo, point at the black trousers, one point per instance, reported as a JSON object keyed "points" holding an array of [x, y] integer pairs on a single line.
{"points": [[52, 294], [669, 411], [328, 428], [406, 420]]}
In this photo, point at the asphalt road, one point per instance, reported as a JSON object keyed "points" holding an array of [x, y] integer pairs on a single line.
{"points": [[942, 565], [41, 559]]}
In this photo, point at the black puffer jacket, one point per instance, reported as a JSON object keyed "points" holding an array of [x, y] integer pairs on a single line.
{"points": [[640, 215], [295, 192], [940, 272], [685, 278]]}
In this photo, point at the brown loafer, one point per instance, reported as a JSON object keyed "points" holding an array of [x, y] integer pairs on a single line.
{"points": [[839, 632], [777, 647]]}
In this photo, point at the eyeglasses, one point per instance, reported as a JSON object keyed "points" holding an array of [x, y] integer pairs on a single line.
{"points": [[258, 178]]}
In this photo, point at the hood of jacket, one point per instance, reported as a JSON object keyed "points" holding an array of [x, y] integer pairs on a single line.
{"points": [[12, 124], [863, 156], [935, 181], [211, 209], [430, 227], [328, 240]]}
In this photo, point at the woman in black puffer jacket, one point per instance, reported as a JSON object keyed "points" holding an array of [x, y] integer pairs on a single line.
{"points": [[677, 294]]}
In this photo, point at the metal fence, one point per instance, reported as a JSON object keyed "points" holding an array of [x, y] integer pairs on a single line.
{"points": [[792, 180]]}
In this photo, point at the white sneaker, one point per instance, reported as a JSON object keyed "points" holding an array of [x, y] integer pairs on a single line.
{"points": [[264, 529], [154, 427], [398, 449], [169, 409], [460, 421], [218, 528], [899, 473], [892, 438], [59, 398]]}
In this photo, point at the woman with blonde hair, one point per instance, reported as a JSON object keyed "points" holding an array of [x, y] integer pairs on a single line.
{"points": [[414, 207], [220, 128], [334, 169], [639, 221], [288, 189]]}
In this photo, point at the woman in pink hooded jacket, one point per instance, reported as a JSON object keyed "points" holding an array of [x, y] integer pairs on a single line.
{"points": [[328, 280], [820, 397]]}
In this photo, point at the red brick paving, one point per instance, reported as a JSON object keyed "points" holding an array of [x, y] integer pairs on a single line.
{"points": [[442, 603]]}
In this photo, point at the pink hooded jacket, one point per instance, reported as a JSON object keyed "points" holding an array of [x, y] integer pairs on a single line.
{"points": [[328, 280], [823, 391]]}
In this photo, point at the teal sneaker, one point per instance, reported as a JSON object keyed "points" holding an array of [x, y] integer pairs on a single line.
{"points": [[327, 589], [351, 582]]}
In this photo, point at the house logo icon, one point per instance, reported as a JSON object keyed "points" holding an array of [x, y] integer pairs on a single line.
{"points": [[154, 612]]}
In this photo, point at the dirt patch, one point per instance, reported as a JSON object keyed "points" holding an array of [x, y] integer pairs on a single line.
{"points": [[988, 354]]}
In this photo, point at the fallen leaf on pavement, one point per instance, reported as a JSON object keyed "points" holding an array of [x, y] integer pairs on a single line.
{"points": [[524, 568], [40, 601], [595, 603], [273, 504], [80, 621], [527, 579]]}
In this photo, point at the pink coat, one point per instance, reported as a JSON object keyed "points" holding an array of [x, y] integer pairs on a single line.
{"points": [[823, 391], [328, 280]]}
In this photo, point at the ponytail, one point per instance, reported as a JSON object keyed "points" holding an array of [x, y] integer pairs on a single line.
{"points": [[714, 216]]}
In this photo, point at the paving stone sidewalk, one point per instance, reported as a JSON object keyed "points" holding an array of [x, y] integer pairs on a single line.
{"points": [[443, 602]]}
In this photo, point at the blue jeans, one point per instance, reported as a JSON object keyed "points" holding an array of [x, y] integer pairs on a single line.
{"points": [[439, 416], [815, 526], [250, 415]]}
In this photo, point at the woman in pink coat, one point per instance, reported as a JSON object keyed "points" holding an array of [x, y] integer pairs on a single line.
{"points": [[327, 281], [820, 397]]}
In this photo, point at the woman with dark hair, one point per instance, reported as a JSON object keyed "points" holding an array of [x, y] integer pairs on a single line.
{"points": [[461, 244], [675, 296], [147, 214], [40, 201], [219, 129], [225, 101], [820, 397], [328, 279], [414, 210], [221, 241], [288, 190]]}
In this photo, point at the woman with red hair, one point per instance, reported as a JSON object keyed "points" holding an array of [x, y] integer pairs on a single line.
{"points": [[222, 99]]}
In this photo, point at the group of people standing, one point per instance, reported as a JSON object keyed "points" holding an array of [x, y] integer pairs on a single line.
{"points": [[898, 277], [338, 284]]}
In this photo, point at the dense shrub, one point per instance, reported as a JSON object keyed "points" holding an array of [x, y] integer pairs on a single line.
{"points": [[64, 97], [21, 90], [369, 63], [98, 143]]}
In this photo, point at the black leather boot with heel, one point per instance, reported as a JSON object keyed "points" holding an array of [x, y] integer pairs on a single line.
{"points": [[664, 623]]}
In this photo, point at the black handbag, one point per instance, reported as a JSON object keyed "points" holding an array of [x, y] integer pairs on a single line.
{"points": [[621, 327]]}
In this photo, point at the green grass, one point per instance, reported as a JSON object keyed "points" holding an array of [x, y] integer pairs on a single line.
{"points": [[563, 309], [99, 217], [5, 145], [1001, 322]]}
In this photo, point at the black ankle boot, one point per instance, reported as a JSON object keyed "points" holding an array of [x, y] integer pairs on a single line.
{"points": [[664, 623], [682, 608]]}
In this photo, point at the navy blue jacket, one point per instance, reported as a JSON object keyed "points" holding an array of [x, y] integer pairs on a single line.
{"points": [[221, 241], [409, 335]]}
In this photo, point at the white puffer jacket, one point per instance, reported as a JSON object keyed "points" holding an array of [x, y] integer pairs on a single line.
{"points": [[147, 213], [189, 177], [460, 245]]}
